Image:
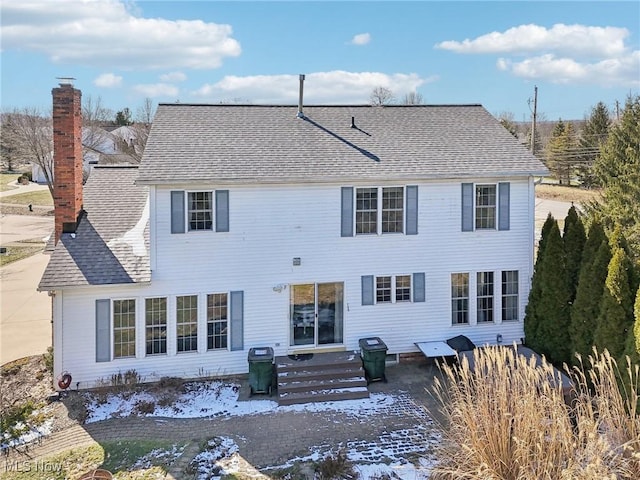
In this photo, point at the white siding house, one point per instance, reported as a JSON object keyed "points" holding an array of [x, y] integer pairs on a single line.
{"points": [[251, 226]]}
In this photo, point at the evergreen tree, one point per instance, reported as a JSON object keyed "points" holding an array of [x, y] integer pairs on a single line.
{"points": [[633, 340], [561, 152], [618, 240], [593, 135], [544, 234], [535, 294], [636, 326], [617, 168], [574, 239], [615, 320], [586, 306], [123, 117], [552, 309]]}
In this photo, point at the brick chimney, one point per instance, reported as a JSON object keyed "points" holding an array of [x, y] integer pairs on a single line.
{"points": [[67, 157]]}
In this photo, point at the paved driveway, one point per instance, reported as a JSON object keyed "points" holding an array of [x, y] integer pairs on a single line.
{"points": [[25, 314]]}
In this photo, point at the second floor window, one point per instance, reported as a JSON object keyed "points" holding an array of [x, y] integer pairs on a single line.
{"points": [[485, 207], [200, 211], [379, 210]]}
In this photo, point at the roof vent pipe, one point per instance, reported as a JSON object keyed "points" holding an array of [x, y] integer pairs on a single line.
{"points": [[300, 113], [353, 122]]}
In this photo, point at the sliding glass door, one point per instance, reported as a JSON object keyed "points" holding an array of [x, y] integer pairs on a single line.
{"points": [[317, 314]]}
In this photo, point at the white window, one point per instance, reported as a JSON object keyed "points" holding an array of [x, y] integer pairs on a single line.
{"points": [[200, 211], [156, 325], [217, 321], [379, 210], [510, 295], [459, 298], [485, 297], [187, 323], [392, 210], [485, 207], [393, 289], [124, 328]]}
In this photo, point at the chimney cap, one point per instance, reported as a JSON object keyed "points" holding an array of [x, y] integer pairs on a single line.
{"points": [[65, 81]]}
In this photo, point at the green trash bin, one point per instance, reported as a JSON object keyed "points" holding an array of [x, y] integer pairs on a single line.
{"points": [[260, 370], [374, 355]]}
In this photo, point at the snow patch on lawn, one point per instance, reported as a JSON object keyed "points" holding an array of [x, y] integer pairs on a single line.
{"points": [[213, 398]]}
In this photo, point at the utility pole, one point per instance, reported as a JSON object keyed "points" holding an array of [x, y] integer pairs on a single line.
{"points": [[533, 122], [617, 111]]}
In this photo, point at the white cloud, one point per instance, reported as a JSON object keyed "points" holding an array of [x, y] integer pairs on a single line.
{"points": [[622, 71], [335, 87], [361, 39], [153, 90], [173, 77], [574, 40], [108, 80], [566, 54], [106, 33]]}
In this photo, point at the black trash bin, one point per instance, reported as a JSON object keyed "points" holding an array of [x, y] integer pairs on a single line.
{"points": [[374, 356], [260, 370]]}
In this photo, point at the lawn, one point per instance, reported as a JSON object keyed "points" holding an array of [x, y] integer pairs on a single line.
{"points": [[6, 178], [41, 197], [563, 193], [138, 460], [15, 253]]}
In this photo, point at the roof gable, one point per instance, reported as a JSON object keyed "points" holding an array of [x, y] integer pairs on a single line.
{"points": [[111, 243]]}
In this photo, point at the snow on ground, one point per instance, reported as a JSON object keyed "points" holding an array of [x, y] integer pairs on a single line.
{"points": [[214, 398], [221, 458], [31, 433]]}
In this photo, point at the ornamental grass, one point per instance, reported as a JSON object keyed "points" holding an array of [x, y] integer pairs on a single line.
{"points": [[506, 420]]}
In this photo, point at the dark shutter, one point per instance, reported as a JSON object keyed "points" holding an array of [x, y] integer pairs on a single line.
{"points": [[236, 314], [103, 330], [367, 290], [222, 210], [504, 206], [412, 209], [346, 229], [418, 287], [177, 211], [467, 207]]}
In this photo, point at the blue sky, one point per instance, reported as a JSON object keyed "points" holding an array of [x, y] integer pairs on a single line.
{"points": [[493, 53]]}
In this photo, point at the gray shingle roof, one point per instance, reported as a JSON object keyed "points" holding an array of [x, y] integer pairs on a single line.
{"points": [[111, 244], [262, 144]]}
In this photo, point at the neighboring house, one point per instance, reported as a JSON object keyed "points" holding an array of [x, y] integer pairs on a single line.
{"points": [[99, 146], [305, 231]]}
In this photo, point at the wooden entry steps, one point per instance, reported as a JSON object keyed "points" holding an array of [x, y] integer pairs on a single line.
{"points": [[323, 377]]}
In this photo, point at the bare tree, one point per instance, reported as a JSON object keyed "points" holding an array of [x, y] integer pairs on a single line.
{"points": [[94, 117], [31, 135], [146, 112], [412, 98], [507, 120], [381, 96], [9, 151]]}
